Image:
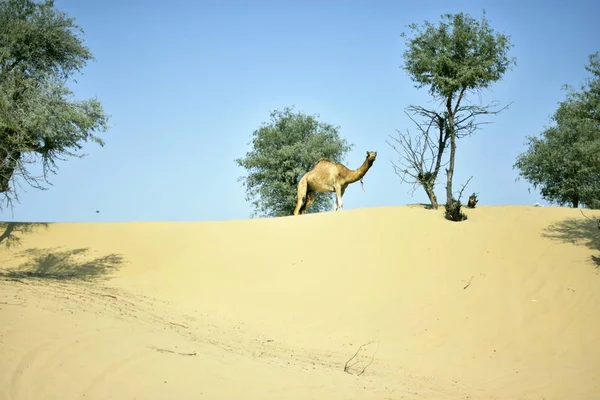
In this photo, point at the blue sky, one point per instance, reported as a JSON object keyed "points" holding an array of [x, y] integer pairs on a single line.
{"points": [[187, 82]]}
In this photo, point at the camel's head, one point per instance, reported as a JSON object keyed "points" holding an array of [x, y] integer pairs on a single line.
{"points": [[371, 155]]}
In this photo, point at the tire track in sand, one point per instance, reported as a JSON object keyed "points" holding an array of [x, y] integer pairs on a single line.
{"points": [[103, 300], [51, 356], [151, 316]]}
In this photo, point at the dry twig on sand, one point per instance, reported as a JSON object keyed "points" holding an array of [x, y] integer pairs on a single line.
{"points": [[12, 304], [468, 283], [347, 366], [171, 351], [589, 217]]}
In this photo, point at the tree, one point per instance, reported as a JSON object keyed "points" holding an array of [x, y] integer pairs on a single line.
{"points": [[39, 121], [458, 56], [421, 156], [565, 161], [283, 150]]}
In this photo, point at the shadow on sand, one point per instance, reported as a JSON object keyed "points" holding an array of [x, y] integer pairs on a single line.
{"points": [[12, 232], [580, 231], [426, 206], [73, 264]]}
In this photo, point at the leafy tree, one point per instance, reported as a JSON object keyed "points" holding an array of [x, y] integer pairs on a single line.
{"points": [[565, 161], [39, 121], [453, 58], [283, 150]]}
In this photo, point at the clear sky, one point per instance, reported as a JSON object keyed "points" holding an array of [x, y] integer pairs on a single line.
{"points": [[187, 82]]}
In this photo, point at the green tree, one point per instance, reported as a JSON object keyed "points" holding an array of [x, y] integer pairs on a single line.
{"points": [[40, 123], [564, 163], [283, 150], [457, 56]]}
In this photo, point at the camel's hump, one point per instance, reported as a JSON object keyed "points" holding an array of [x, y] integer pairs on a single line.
{"points": [[324, 160]]}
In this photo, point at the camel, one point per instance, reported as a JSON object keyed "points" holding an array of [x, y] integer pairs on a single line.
{"points": [[326, 177]]}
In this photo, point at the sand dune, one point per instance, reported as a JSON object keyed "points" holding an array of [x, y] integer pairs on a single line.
{"points": [[502, 306]]}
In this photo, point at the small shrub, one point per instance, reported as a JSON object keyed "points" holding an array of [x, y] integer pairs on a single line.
{"points": [[453, 206], [454, 212], [472, 201]]}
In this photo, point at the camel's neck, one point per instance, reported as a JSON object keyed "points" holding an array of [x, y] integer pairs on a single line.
{"points": [[357, 174]]}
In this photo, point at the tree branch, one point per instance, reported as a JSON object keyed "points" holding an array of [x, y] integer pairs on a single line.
{"points": [[463, 188], [460, 97], [421, 156], [464, 122]]}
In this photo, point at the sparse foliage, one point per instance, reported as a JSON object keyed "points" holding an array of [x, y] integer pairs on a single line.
{"points": [[283, 150], [455, 57], [564, 162], [39, 121]]}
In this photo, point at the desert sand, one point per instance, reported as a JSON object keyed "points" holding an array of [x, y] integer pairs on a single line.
{"points": [[379, 303]]}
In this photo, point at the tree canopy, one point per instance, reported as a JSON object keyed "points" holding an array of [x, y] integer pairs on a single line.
{"points": [[40, 123], [454, 57], [458, 54], [283, 150], [564, 162]]}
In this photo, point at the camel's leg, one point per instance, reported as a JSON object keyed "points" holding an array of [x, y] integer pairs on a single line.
{"points": [[302, 186], [302, 209], [338, 198], [311, 196]]}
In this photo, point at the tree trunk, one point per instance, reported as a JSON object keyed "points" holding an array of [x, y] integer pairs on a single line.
{"points": [[450, 169], [452, 134], [576, 202], [432, 196]]}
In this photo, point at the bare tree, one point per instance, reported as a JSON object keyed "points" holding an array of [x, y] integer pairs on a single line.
{"points": [[421, 154]]}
